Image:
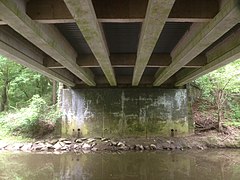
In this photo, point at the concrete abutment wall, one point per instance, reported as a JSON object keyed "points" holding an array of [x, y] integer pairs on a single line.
{"points": [[131, 112]]}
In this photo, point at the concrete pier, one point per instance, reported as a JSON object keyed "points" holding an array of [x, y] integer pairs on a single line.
{"points": [[125, 112]]}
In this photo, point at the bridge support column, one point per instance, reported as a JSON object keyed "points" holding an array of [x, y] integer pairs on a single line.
{"points": [[126, 112]]}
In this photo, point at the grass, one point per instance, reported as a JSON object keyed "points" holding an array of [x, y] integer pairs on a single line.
{"points": [[6, 136]]}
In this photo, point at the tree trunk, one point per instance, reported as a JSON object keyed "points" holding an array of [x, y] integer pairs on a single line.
{"points": [[54, 92], [4, 97], [220, 120], [220, 102]]}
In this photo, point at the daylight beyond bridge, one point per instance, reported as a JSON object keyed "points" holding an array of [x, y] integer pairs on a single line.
{"points": [[121, 43]]}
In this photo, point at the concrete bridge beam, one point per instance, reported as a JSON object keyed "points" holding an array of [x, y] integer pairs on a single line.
{"points": [[222, 54], [85, 17], [45, 37], [227, 18], [29, 56], [156, 15], [55, 11]]}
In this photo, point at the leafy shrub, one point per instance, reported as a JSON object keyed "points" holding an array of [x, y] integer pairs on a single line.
{"points": [[235, 108], [36, 119]]}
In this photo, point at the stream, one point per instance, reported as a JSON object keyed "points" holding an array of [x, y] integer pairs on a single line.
{"points": [[179, 165]]}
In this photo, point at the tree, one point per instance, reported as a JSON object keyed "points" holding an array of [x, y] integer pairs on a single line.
{"points": [[18, 84], [8, 72], [54, 92], [27, 84], [219, 86]]}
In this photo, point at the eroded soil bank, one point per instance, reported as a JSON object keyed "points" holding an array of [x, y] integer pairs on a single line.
{"points": [[210, 139]]}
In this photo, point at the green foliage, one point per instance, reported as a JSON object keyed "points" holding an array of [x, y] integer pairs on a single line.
{"points": [[36, 119], [21, 84], [8, 69], [24, 101], [227, 78], [204, 106], [235, 109], [26, 85], [222, 88], [232, 123]]}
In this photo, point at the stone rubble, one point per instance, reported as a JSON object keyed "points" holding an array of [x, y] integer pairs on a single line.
{"points": [[95, 144], [86, 146]]}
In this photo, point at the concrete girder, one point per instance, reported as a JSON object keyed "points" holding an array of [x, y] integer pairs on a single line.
{"points": [[128, 60], [28, 55], [156, 15], [228, 17], [84, 14], [45, 37], [125, 81], [222, 54], [55, 11]]}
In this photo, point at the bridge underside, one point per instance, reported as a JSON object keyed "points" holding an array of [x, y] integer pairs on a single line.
{"points": [[122, 43]]}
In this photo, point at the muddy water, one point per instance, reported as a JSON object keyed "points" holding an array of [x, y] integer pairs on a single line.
{"points": [[192, 165]]}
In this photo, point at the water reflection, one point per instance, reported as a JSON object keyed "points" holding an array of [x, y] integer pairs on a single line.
{"points": [[200, 165]]}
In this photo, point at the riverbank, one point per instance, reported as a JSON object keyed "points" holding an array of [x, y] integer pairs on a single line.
{"points": [[210, 139]]}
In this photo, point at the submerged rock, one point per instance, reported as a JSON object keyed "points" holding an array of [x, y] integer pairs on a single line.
{"points": [[53, 141], [139, 147], [85, 151], [58, 146], [9, 147], [159, 147], [153, 146], [179, 147], [16, 146], [77, 146], [170, 142], [26, 147], [83, 139], [3, 145], [166, 146], [146, 147], [38, 142], [86, 146], [44, 148], [172, 146], [67, 142], [124, 148], [200, 147], [105, 139], [119, 144], [113, 143], [94, 149], [90, 140], [100, 144], [37, 147], [93, 144], [65, 148], [49, 146], [78, 141], [63, 139], [62, 143]]}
